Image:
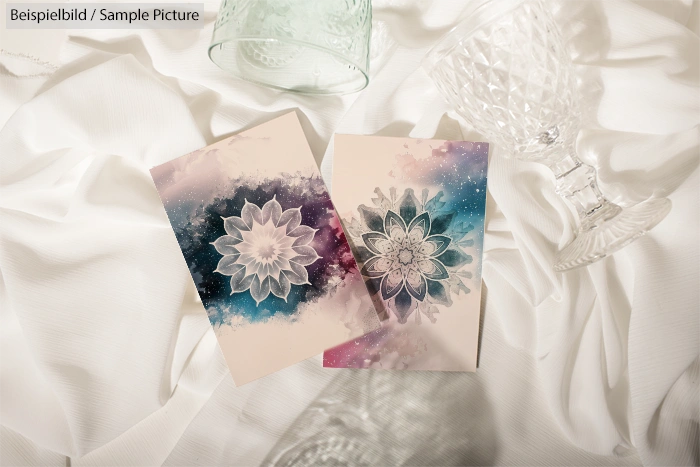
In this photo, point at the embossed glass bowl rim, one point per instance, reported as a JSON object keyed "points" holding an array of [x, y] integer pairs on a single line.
{"points": [[480, 16], [317, 91]]}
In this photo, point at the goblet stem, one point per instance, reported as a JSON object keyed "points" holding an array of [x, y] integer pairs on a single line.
{"points": [[506, 70], [577, 183]]}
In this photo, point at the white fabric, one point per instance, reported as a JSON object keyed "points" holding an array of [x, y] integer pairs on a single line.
{"points": [[107, 357]]}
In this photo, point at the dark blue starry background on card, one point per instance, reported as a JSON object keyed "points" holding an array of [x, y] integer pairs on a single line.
{"points": [[196, 228], [458, 169]]}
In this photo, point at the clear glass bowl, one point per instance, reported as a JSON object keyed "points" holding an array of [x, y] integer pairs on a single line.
{"points": [[307, 46]]}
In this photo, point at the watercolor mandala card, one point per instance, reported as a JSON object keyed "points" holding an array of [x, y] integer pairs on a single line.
{"points": [[413, 211], [265, 248]]}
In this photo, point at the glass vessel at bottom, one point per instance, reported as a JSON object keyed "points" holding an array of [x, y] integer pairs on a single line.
{"points": [[389, 417], [507, 72]]}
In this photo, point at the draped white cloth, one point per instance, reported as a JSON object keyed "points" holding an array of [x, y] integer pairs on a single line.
{"points": [[107, 357]]}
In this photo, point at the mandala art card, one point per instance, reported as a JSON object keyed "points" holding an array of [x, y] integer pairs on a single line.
{"points": [[265, 248], [413, 211]]}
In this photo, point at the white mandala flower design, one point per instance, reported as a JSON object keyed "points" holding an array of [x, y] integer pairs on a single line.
{"points": [[413, 252], [266, 250]]}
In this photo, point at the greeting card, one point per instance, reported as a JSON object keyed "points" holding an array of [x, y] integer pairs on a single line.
{"points": [[265, 248], [414, 214]]}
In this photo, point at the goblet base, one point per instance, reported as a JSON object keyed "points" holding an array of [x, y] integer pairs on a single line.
{"points": [[606, 238]]}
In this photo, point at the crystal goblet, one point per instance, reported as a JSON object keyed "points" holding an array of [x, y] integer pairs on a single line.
{"points": [[507, 72]]}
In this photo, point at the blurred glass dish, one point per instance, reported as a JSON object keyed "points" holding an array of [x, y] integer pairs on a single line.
{"points": [[507, 72], [383, 417], [307, 46]]}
